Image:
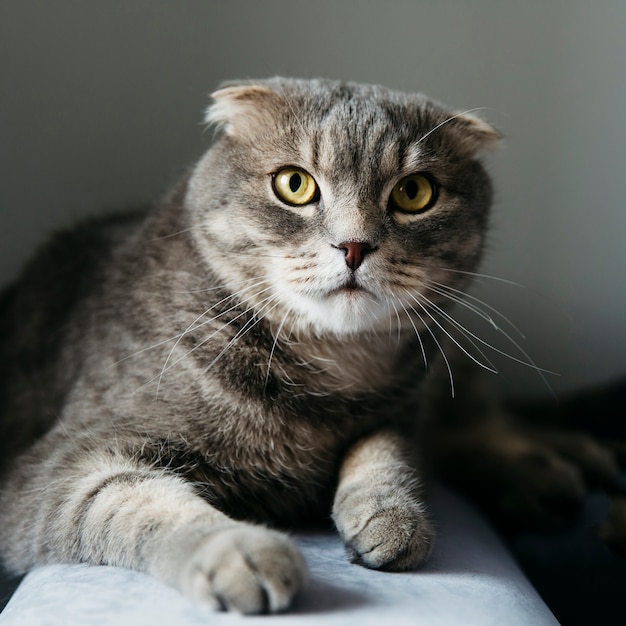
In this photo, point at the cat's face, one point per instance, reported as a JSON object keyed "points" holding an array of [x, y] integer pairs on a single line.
{"points": [[332, 207]]}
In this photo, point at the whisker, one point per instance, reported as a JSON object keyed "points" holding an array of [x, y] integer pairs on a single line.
{"points": [[147, 349], [224, 287], [276, 336], [242, 331], [464, 331], [255, 254], [471, 356], [529, 362], [459, 299], [390, 301], [441, 350], [232, 296], [177, 233], [447, 121], [206, 339], [288, 102], [478, 275], [209, 337], [417, 334], [177, 336], [192, 327]]}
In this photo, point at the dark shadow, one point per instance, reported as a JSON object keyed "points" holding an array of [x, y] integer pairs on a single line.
{"points": [[8, 585], [577, 575]]}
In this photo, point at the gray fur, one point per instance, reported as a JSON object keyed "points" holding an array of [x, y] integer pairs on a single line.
{"points": [[175, 378]]}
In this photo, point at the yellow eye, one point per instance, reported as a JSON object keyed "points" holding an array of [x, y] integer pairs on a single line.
{"points": [[414, 193], [295, 186]]}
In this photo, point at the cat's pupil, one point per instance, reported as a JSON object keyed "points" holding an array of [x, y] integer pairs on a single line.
{"points": [[295, 182], [411, 189]]}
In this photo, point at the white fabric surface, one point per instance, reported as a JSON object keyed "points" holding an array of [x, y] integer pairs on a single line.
{"points": [[471, 579]]}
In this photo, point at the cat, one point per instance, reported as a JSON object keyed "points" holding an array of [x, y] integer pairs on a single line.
{"points": [[181, 384]]}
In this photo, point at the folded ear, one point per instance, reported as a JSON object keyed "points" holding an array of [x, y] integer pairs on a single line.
{"points": [[239, 108], [473, 134]]}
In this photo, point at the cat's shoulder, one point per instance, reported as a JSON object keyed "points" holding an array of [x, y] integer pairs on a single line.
{"points": [[64, 270], [77, 248]]}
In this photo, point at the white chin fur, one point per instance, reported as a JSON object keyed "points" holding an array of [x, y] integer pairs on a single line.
{"points": [[342, 313]]}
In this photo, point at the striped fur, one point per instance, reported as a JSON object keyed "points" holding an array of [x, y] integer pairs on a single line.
{"points": [[175, 380]]}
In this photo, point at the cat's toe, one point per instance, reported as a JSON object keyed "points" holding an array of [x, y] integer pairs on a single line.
{"points": [[245, 569], [385, 535], [392, 540]]}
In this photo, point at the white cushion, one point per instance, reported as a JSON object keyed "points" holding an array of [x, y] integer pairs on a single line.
{"points": [[471, 579]]}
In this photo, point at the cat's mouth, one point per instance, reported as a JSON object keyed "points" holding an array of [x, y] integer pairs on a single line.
{"points": [[351, 285]]}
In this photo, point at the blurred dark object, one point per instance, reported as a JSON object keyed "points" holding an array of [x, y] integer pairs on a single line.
{"points": [[581, 571], [8, 584], [579, 577], [600, 411]]}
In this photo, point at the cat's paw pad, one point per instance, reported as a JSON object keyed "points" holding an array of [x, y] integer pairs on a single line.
{"points": [[246, 569], [384, 532]]}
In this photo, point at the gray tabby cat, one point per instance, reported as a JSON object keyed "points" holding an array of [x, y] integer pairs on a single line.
{"points": [[251, 353]]}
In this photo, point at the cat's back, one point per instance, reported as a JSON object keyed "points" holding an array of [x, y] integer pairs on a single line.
{"points": [[37, 314]]}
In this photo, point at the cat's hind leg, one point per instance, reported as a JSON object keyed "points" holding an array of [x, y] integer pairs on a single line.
{"points": [[519, 481], [106, 508], [525, 473], [377, 508]]}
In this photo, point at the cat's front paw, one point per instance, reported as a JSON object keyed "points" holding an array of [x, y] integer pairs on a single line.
{"points": [[383, 531], [244, 568]]}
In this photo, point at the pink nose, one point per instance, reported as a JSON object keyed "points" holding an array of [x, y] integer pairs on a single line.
{"points": [[355, 251]]}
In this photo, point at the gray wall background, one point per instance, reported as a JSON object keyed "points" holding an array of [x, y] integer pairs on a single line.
{"points": [[101, 103]]}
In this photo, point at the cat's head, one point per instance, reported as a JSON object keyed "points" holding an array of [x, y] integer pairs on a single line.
{"points": [[337, 207]]}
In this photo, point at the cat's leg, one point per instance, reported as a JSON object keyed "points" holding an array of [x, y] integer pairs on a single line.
{"points": [[523, 474], [520, 482], [598, 463], [108, 509], [377, 508]]}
